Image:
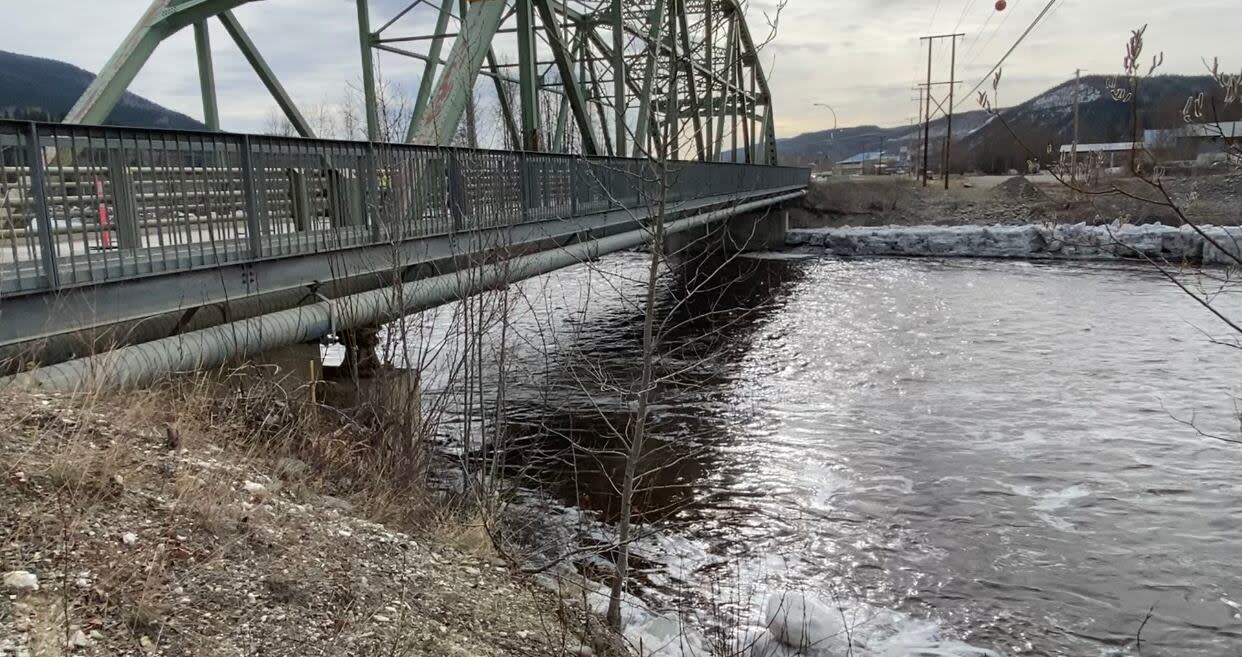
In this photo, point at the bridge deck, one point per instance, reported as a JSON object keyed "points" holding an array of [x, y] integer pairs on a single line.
{"points": [[124, 203], [144, 222]]}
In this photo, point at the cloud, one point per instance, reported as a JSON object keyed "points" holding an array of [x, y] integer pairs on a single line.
{"points": [[860, 56]]}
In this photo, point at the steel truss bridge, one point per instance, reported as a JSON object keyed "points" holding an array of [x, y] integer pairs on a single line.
{"points": [[595, 77], [190, 248]]}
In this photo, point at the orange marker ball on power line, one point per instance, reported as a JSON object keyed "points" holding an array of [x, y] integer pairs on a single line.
{"points": [[1001, 4]]}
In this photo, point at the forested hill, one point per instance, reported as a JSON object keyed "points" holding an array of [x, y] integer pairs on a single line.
{"points": [[34, 88]]}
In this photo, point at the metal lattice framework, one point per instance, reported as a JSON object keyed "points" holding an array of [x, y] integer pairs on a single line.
{"points": [[596, 77]]}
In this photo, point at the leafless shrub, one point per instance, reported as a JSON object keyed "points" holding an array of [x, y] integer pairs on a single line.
{"points": [[850, 197]]}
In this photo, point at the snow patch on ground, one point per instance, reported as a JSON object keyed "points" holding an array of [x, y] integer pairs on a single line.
{"points": [[1211, 245], [1064, 97]]}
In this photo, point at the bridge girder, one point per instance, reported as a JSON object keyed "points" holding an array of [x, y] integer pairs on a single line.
{"points": [[606, 77]]}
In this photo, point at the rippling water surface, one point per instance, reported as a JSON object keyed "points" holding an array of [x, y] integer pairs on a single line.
{"points": [[991, 447]]}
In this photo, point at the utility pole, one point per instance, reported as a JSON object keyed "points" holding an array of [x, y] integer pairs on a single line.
{"points": [[931, 40], [914, 153], [927, 111], [944, 111], [1074, 148], [914, 121], [948, 140]]}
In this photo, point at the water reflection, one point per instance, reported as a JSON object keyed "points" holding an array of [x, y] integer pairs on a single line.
{"points": [[569, 427]]}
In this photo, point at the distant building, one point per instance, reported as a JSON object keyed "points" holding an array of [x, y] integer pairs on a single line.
{"points": [[1110, 154], [1197, 141], [871, 162]]}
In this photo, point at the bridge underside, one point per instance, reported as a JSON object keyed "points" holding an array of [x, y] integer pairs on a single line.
{"points": [[485, 269], [613, 109], [158, 233]]}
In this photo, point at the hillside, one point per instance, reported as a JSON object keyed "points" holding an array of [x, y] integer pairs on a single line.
{"points": [[984, 144], [45, 89], [837, 145], [1047, 121]]}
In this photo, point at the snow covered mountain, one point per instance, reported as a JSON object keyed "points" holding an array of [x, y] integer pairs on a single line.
{"points": [[983, 143]]}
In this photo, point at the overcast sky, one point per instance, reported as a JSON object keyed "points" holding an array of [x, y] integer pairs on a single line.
{"points": [[860, 56]]}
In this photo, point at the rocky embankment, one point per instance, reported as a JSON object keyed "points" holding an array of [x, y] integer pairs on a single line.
{"points": [[1206, 245], [126, 531]]}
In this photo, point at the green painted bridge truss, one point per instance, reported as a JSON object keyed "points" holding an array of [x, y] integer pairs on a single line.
{"points": [[595, 77]]}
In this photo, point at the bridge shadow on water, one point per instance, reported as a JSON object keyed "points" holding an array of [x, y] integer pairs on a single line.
{"points": [[569, 436]]}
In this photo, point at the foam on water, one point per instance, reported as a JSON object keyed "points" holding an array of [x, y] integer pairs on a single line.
{"points": [[1048, 503], [766, 617], [799, 624]]}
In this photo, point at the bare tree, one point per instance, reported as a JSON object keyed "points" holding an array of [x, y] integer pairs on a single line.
{"points": [[277, 124], [1201, 115]]}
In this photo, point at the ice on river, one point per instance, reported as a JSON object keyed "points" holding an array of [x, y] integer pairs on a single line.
{"points": [[1206, 244]]}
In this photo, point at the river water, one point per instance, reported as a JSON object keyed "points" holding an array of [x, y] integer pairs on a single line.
{"points": [[957, 453]]}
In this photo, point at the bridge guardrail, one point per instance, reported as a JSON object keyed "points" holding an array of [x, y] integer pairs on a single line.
{"points": [[82, 205]]}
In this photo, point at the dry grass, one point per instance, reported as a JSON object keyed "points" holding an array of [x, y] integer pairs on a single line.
{"points": [[469, 535], [860, 196], [220, 515], [1206, 199]]}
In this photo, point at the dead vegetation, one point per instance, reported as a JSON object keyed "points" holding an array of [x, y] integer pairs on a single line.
{"points": [[850, 197], [211, 518], [1212, 198]]}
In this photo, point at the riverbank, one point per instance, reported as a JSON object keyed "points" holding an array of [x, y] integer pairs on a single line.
{"points": [[166, 523], [1212, 245], [894, 201]]}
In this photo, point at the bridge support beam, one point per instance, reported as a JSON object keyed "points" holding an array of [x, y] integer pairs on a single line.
{"points": [[141, 364], [266, 76], [438, 125], [106, 90], [161, 20], [660, 56], [367, 41], [206, 76], [427, 82]]}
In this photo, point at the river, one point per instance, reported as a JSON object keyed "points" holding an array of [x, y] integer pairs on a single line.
{"points": [[960, 454]]}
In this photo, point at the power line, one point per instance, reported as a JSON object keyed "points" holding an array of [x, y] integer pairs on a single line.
{"points": [[965, 10], [974, 43], [1034, 23], [935, 12], [991, 37], [1055, 11]]}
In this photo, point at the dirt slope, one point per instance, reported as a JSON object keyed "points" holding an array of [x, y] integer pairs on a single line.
{"points": [[154, 537]]}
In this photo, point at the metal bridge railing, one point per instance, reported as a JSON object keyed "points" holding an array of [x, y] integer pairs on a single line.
{"points": [[82, 205]]}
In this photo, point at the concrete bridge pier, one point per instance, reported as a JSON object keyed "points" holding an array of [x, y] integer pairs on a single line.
{"points": [[687, 244], [763, 230], [297, 368], [361, 361], [300, 368]]}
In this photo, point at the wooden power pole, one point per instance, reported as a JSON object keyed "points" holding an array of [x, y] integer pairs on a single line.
{"points": [[914, 154], [948, 138], [1074, 148], [931, 40]]}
